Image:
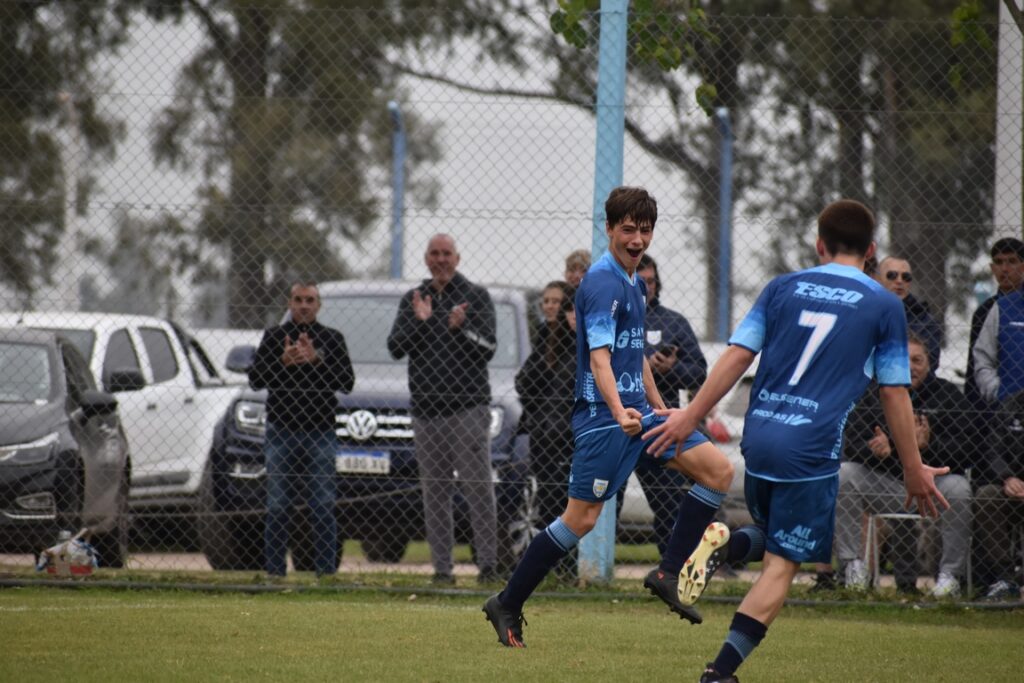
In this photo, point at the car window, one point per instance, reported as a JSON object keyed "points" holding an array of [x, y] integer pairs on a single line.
{"points": [[25, 373], [120, 355], [160, 352], [366, 322], [77, 367], [84, 340]]}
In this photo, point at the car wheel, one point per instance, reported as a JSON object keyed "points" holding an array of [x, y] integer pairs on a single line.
{"points": [[230, 541], [517, 530], [388, 549], [112, 546]]}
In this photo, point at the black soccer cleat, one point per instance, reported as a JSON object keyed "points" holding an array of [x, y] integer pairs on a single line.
{"points": [[666, 588], [507, 624], [701, 565], [712, 676]]}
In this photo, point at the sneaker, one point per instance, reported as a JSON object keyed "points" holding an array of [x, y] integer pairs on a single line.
{"points": [[947, 586], [706, 558], [856, 575], [712, 676], [442, 580], [666, 587], [1002, 590], [823, 582], [508, 625]]}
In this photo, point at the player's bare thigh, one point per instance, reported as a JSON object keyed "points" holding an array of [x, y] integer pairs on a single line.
{"points": [[706, 465]]}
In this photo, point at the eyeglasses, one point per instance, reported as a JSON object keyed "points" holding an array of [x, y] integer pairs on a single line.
{"points": [[892, 275]]}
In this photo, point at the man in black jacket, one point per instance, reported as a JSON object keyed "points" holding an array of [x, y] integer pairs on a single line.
{"points": [[446, 326], [894, 274], [999, 503], [871, 474], [302, 364]]}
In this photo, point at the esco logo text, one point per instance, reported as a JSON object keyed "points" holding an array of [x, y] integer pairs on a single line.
{"points": [[813, 291]]}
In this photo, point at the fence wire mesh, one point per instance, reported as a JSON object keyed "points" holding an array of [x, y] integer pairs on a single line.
{"points": [[169, 170]]}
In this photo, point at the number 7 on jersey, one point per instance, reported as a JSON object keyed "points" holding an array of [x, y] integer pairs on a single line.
{"points": [[821, 324]]}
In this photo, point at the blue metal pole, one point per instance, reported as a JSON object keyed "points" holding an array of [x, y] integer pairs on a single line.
{"points": [[597, 549], [397, 188], [724, 225]]}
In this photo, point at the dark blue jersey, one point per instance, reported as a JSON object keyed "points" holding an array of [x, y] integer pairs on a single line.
{"points": [[823, 335], [610, 308]]}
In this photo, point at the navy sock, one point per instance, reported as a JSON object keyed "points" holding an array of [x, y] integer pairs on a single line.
{"points": [[541, 556], [695, 513], [745, 634], [746, 544]]}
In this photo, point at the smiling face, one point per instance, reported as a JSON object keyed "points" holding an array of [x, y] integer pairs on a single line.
{"points": [[628, 241], [442, 259], [551, 303]]}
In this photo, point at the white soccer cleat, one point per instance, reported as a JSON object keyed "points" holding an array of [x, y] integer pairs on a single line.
{"points": [[701, 565]]}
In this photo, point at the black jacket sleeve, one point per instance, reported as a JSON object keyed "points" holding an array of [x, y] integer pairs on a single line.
{"points": [[478, 333], [335, 366], [267, 361], [407, 331]]}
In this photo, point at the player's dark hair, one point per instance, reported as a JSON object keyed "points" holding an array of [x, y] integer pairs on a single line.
{"points": [[631, 202], [846, 227], [1008, 245], [648, 262]]}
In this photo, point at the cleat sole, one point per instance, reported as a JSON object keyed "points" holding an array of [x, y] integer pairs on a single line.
{"points": [[693, 576]]}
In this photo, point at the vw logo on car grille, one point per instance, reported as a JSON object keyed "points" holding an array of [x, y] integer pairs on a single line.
{"points": [[362, 424]]}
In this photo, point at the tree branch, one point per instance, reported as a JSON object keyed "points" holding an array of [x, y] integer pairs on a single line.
{"points": [[1016, 13], [217, 32], [665, 148]]}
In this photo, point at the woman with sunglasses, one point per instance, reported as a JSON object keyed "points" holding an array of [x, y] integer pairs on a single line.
{"points": [[894, 274]]}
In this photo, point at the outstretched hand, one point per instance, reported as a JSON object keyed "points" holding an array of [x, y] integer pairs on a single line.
{"points": [[922, 492], [679, 425], [422, 306]]}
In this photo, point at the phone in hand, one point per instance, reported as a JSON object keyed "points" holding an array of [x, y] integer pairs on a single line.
{"points": [[667, 349]]}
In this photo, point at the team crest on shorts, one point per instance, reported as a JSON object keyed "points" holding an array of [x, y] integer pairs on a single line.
{"points": [[600, 486]]}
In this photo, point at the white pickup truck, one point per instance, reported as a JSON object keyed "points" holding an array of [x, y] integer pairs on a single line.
{"points": [[170, 395]]}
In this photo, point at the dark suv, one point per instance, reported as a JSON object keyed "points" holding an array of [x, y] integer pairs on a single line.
{"points": [[64, 460], [379, 495]]}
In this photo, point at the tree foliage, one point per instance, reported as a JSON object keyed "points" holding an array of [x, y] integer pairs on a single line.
{"points": [[48, 81]]}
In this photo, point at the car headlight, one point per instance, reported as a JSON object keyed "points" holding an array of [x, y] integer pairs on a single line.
{"points": [[497, 421], [31, 453], [251, 417]]}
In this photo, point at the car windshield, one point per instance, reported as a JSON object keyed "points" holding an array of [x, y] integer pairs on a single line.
{"points": [[83, 340], [24, 373], [366, 322]]}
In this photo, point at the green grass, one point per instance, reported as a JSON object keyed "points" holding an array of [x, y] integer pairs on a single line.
{"points": [[96, 634]]}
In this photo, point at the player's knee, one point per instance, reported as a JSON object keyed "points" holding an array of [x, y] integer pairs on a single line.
{"points": [[721, 473]]}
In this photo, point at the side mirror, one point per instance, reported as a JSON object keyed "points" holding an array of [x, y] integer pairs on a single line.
{"points": [[95, 403], [240, 359], [124, 379]]}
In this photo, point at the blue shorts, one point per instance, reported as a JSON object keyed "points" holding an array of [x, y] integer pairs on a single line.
{"points": [[797, 517], [603, 459]]}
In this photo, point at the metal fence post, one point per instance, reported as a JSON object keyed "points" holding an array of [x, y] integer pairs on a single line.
{"points": [[597, 549], [397, 187], [724, 224]]}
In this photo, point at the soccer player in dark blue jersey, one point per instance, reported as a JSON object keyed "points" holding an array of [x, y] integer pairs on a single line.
{"points": [[823, 334], [615, 401]]}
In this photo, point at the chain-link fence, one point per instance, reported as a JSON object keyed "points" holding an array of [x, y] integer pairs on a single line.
{"points": [[169, 170]]}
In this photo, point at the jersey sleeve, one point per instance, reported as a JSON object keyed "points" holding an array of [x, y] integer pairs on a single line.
{"points": [[891, 359], [751, 330], [601, 298]]}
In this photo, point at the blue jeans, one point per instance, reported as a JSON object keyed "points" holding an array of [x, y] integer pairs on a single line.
{"points": [[293, 460]]}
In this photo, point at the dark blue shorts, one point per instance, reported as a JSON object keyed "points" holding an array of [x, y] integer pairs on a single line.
{"points": [[603, 459], [797, 517]]}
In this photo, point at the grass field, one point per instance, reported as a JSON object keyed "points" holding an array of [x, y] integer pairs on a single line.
{"points": [[96, 634]]}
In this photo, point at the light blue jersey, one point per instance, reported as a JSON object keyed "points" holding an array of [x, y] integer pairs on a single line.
{"points": [[823, 335], [610, 308]]}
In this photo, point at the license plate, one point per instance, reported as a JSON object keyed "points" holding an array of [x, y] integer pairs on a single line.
{"points": [[363, 462]]}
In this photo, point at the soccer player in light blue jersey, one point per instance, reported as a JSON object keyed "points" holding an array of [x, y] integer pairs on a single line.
{"points": [[615, 400], [823, 334]]}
